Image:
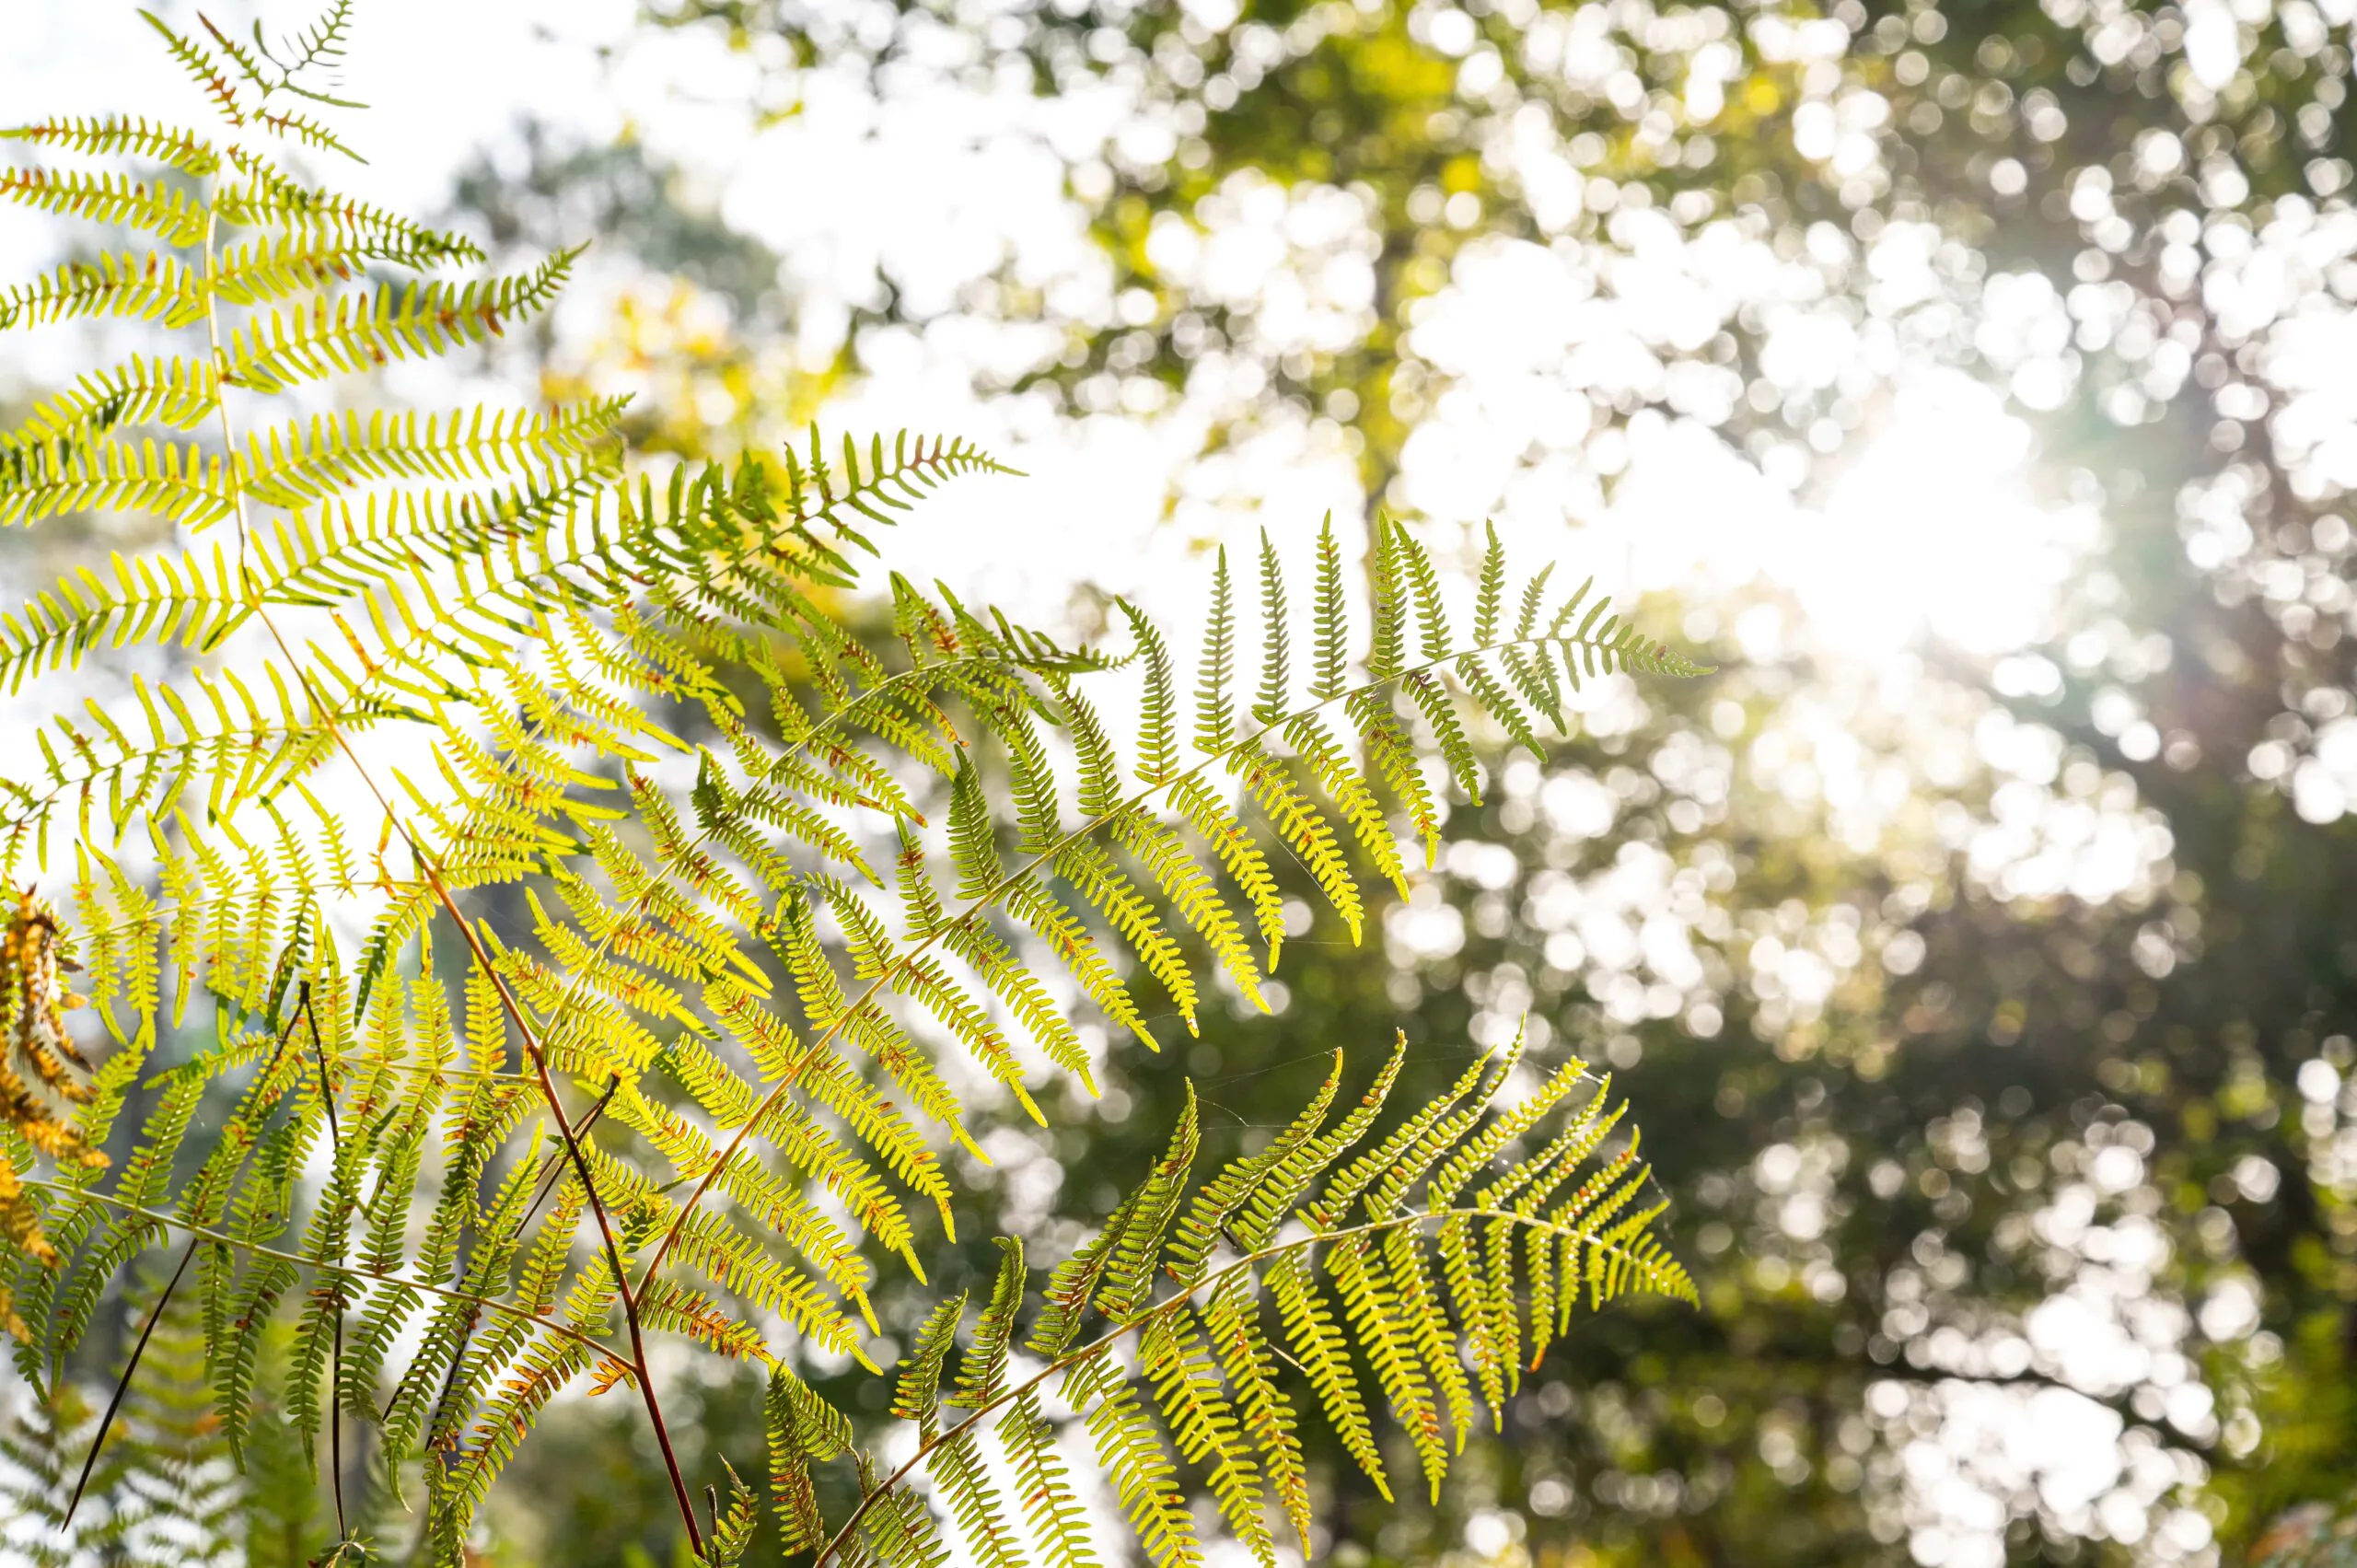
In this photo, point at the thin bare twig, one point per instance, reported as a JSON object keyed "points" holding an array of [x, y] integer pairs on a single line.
{"points": [[122, 1384], [335, 1374]]}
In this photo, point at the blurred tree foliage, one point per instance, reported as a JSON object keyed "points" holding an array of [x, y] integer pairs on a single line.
{"points": [[1952, 1149], [694, 325]]}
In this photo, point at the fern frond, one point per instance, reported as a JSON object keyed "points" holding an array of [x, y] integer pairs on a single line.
{"points": [[153, 288], [165, 211], [1276, 675], [201, 68], [1491, 589], [281, 349], [268, 198], [1157, 747], [1330, 634], [274, 266], [1208, 1361], [1214, 699], [175, 392], [803, 1429], [320, 46], [300, 464], [178, 482], [224, 741], [294, 125], [643, 701], [120, 136], [1169, 886]]}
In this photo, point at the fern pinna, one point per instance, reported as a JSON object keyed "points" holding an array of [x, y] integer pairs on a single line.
{"points": [[552, 908]]}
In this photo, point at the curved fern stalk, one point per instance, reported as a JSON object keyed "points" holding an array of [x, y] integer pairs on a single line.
{"points": [[1254, 1252]]}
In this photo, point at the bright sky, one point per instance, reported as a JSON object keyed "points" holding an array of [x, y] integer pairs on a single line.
{"points": [[976, 178]]}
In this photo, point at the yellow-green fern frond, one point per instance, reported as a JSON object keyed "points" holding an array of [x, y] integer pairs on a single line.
{"points": [[297, 465], [201, 68], [120, 136], [179, 393], [173, 479], [153, 288], [192, 600], [167, 211], [283, 348], [217, 740], [1278, 1304], [768, 861]]}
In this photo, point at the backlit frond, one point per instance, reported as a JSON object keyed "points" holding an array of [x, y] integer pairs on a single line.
{"points": [[1272, 1320], [121, 136], [356, 332], [165, 211]]}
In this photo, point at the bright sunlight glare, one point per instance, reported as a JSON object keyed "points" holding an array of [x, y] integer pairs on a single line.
{"points": [[1935, 530], [1932, 532]]}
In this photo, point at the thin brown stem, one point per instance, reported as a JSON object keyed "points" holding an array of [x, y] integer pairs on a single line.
{"points": [[556, 1166], [335, 1428], [123, 1385], [555, 1103], [639, 1360], [335, 1373]]}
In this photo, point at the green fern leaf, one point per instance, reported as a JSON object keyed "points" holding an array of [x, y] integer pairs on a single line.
{"points": [[1276, 679], [164, 210], [174, 481], [153, 288], [1214, 698], [1331, 630], [1489, 591], [279, 349], [121, 136], [1157, 746]]}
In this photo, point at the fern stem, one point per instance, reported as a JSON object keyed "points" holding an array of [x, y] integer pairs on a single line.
{"points": [[335, 1374], [304, 1259], [452, 1074], [580, 1166], [556, 1166], [985, 901], [154, 1316], [122, 1384], [326, 713], [1168, 1304]]}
